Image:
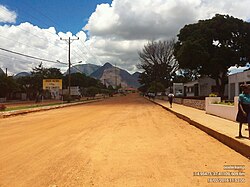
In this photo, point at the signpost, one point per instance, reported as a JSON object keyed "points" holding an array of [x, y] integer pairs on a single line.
{"points": [[54, 86]]}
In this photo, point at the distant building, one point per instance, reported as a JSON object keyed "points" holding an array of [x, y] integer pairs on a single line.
{"points": [[234, 82], [200, 87], [178, 89], [127, 90]]}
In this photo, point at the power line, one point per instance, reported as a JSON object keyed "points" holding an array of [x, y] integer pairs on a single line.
{"points": [[27, 31], [52, 21], [69, 40], [29, 56]]}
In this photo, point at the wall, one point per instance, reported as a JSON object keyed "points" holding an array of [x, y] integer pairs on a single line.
{"points": [[195, 103], [223, 111]]}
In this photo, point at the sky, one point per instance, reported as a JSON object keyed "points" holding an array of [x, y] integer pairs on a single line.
{"points": [[108, 30]]}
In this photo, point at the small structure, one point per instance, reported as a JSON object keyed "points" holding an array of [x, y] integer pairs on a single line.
{"points": [[127, 90], [234, 82], [178, 89], [200, 87], [221, 110]]}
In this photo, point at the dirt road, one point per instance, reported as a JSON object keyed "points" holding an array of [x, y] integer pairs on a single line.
{"points": [[123, 141]]}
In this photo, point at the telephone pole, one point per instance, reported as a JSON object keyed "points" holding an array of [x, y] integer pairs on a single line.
{"points": [[69, 41], [115, 78]]}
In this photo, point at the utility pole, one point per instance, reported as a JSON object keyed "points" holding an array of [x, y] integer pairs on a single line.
{"points": [[69, 41], [115, 78]]}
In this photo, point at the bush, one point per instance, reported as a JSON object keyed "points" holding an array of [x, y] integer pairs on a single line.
{"points": [[2, 107], [212, 95], [224, 103]]}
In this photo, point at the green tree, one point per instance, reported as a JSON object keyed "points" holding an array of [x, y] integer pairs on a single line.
{"points": [[7, 86], [157, 62], [39, 73], [211, 46], [156, 87], [92, 91]]}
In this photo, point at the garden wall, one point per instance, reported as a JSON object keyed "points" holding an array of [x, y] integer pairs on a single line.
{"points": [[221, 110], [195, 103]]}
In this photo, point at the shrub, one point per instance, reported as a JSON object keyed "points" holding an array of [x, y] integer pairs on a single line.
{"points": [[2, 107], [224, 103], [212, 95]]}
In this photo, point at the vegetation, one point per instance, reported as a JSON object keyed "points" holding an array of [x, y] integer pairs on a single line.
{"points": [[32, 85], [225, 103], [2, 107], [212, 95], [211, 46], [158, 64]]}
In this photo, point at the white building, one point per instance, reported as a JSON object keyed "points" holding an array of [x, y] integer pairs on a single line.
{"points": [[234, 82], [178, 89], [200, 87]]}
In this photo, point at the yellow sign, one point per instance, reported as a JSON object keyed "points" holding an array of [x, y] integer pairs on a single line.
{"points": [[52, 84]]}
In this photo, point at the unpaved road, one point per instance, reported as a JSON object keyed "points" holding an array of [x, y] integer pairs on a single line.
{"points": [[123, 141]]}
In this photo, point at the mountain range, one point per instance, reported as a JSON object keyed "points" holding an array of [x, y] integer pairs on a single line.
{"points": [[107, 74], [110, 75], [87, 69]]}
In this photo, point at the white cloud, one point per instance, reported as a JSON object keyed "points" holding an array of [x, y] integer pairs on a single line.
{"points": [[115, 32], [34, 41], [119, 30], [6, 15]]}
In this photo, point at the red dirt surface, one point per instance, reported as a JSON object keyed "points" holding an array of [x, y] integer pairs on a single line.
{"points": [[122, 141]]}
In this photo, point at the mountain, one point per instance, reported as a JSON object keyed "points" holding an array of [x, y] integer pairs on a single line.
{"points": [[110, 75], [1, 72], [87, 69], [22, 74], [136, 75]]}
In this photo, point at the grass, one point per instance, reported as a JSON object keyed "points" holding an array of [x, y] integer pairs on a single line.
{"points": [[40, 105], [29, 106], [225, 103]]}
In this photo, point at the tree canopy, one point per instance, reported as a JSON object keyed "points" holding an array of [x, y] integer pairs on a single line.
{"points": [[158, 63], [212, 46]]}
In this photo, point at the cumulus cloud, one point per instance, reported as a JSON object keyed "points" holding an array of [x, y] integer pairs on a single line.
{"points": [[6, 15], [115, 32], [121, 29], [34, 41]]}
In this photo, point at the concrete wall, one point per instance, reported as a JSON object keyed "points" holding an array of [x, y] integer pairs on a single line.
{"points": [[223, 111], [195, 103]]}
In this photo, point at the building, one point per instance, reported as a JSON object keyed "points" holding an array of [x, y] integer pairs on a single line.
{"points": [[200, 87], [234, 82], [178, 89]]}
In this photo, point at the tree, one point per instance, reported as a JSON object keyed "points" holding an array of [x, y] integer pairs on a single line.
{"points": [[156, 87], [157, 62], [7, 86], [92, 91], [211, 46]]}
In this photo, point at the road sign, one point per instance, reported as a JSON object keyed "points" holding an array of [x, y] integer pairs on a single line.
{"points": [[52, 84]]}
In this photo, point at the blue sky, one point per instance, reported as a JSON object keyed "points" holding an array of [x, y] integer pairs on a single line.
{"points": [[66, 15]]}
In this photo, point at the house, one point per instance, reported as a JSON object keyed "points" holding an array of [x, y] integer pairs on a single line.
{"points": [[200, 87], [234, 82], [178, 89]]}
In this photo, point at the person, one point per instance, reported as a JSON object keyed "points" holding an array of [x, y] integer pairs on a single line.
{"points": [[243, 115], [170, 98]]}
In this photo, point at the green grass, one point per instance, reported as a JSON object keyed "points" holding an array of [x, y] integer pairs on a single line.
{"points": [[30, 106], [224, 103], [42, 105]]}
